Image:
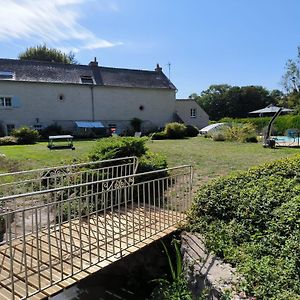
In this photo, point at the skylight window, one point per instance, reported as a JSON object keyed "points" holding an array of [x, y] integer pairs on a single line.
{"points": [[86, 79], [6, 75]]}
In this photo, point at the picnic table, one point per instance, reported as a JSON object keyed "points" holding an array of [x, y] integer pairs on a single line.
{"points": [[61, 142]]}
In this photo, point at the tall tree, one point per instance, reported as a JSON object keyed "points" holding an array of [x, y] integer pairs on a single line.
{"points": [[291, 83], [223, 100], [43, 53], [291, 78]]}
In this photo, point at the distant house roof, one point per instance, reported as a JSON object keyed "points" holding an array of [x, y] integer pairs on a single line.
{"points": [[36, 71]]}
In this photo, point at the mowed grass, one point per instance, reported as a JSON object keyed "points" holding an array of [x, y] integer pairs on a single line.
{"points": [[38, 155], [209, 159]]}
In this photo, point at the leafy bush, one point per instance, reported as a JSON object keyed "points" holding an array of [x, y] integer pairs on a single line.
{"points": [[175, 130], [251, 219], [251, 139], [177, 289], [281, 124], [8, 140], [151, 162], [2, 132], [191, 131], [25, 135], [159, 136], [136, 124], [53, 129], [116, 147], [218, 137], [240, 132]]}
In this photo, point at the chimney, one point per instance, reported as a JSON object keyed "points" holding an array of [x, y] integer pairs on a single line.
{"points": [[94, 63], [158, 68]]}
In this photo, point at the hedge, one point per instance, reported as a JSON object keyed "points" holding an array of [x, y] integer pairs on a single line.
{"points": [[281, 124], [252, 220]]}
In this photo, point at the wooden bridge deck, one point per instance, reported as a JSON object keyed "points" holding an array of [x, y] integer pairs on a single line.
{"points": [[47, 261]]}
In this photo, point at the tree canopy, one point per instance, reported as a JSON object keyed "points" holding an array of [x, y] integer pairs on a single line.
{"points": [[43, 53], [291, 82], [291, 78], [223, 100]]}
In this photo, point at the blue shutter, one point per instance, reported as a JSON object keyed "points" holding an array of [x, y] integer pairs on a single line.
{"points": [[16, 102]]}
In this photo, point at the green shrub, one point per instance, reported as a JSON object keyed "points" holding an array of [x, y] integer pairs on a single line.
{"points": [[151, 162], [136, 124], [191, 131], [159, 136], [25, 135], [116, 147], [8, 140], [2, 132], [175, 130], [53, 129], [251, 139], [281, 124], [251, 219], [178, 288], [218, 137], [239, 132]]}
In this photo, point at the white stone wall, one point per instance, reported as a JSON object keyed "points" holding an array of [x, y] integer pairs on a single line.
{"points": [[112, 105], [183, 109]]}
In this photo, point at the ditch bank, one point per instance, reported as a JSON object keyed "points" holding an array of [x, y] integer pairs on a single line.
{"points": [[130, 278]]}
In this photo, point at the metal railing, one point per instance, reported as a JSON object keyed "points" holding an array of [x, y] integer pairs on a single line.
{"points": [[47, 178], [50, 235]]}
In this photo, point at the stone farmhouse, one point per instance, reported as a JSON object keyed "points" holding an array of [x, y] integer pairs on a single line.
{"points": [[39, 94]]}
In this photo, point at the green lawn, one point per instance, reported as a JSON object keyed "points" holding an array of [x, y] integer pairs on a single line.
{"points": [[209, 158]]}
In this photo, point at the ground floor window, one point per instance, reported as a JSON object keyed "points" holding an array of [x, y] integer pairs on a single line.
{"points": [[5, 102], [10, 128]]}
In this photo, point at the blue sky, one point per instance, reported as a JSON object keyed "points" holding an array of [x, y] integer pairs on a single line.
{"points": [[238, 42]]}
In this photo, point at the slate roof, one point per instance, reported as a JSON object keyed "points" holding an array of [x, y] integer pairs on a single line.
{"points": [[36, 71]]}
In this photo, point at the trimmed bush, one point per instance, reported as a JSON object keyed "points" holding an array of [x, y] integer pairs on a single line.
{"points": [[25, 135], [251, 219], [191, 131], [116, 147], [175, 130], [8, 140], [159, 136], [53, 129]]}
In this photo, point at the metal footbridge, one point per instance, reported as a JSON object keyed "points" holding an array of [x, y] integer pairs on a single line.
{"points": [[60, 225]]}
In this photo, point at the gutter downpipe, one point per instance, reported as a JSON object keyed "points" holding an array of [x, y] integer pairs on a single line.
{"points": [[267, 141], [93, 104]]}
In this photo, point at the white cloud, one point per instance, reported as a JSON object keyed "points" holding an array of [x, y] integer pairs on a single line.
{"points": [[55, 22]]}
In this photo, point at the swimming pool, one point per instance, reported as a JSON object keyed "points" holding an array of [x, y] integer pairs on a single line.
{"points": [[286, 140]]}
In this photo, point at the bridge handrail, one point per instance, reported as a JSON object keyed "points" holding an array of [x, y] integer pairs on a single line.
{"points": [[80, 226], [189, 167], [25, 181]]}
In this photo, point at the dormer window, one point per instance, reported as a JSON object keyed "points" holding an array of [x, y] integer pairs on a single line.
{"points": [[6, 75], [86, 79], [193, 112]]}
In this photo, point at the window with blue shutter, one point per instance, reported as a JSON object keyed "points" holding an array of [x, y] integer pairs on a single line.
{"points": [[16, 102]]}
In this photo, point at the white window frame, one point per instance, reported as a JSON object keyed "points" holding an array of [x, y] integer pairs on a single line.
{"points": [[5, 100], [193, 112]]}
